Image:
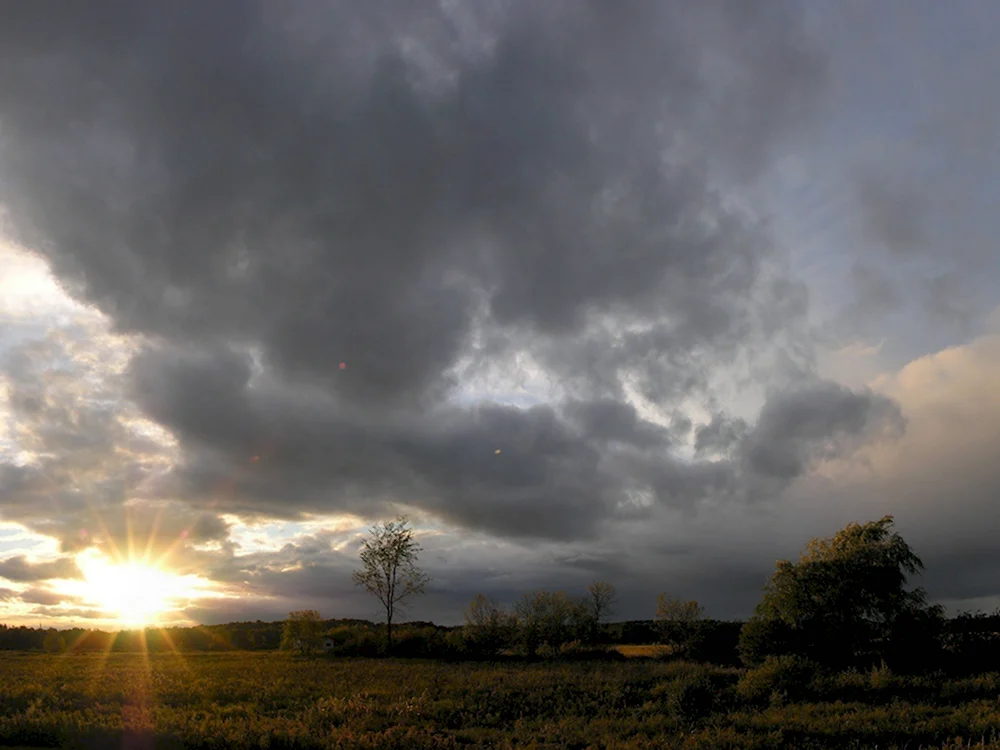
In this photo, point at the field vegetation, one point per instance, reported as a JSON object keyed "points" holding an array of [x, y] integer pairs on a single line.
{"points": [[277, 700]]}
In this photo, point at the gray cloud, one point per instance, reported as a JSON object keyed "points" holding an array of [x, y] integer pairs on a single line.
{"points": [[918, 177], [69, 612], [720, 435], [42, 596], [395, 192], [20, 569], [820, 420], [450, 202], [892, 214]]}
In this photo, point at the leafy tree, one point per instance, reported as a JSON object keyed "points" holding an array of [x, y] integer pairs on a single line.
{"points": [[389, 571], [842, 603], [54, 642], [551, 619], [303, 632], [601, 599], [679, 622], [490, 629]]}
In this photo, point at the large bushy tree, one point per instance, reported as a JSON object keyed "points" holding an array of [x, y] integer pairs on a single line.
{"points": [[843, 602]]}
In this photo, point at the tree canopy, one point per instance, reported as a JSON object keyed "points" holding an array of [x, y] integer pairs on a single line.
{"points": [[842, 601]]}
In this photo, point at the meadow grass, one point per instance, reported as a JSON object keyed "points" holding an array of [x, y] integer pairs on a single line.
{"points": [[272, 700], [645, 651]]}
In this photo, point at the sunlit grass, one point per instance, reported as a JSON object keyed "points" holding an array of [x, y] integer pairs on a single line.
{"points": [[271, 700], [645, 651]]}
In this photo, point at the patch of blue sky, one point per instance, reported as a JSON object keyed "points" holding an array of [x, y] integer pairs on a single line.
{"points": [[17, 540]]}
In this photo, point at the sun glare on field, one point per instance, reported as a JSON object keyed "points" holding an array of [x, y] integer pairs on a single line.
{"points": [[137, 594]]}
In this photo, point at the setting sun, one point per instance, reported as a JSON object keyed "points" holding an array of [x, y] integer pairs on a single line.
{"points": [[136, 594]]}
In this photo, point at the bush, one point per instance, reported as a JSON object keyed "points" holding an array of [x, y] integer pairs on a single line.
{"points": [[692, 692], [546, 620], [418, 643], [779, 679], [489, 628], [716, 642], [54, 642], [762, 637], [689, 700], [355, 640]]}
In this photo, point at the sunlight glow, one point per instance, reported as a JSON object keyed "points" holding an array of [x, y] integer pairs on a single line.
{"points": [[138, 594]]}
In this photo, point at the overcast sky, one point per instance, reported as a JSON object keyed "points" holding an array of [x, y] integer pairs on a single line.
{"points": [[646, 291]]}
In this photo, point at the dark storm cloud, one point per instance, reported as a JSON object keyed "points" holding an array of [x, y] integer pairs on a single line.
{"points": [[237, 181], [262, 195], [20, 569], [816, 421], [609, 420]]}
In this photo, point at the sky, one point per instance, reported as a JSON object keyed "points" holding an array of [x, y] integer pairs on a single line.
{"points": [[647, 292]]}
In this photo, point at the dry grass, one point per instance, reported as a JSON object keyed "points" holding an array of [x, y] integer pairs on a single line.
{"points": [[271, 701], [646, 651]]}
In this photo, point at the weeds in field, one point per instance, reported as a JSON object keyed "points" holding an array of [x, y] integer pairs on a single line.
{"points": [[273, 700]]}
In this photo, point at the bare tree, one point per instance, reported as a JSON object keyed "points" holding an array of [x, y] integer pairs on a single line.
{"points": [[489, 628], [600, 602], [602, 599], [679, 621], [389, 571]]}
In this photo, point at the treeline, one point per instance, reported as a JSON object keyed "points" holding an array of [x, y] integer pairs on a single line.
{"points": [[243, 636], [969, 642]]}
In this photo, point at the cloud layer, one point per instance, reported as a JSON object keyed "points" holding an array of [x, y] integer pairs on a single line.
{"points": [[502, 264]]}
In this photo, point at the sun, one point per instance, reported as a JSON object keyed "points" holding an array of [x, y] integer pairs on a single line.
{"points": [[136, 593]]}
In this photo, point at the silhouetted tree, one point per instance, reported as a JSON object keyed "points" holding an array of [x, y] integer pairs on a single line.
{"points": [[551, 619], [389, 571], [601, 599], [679, 622], [489, 627], [842, 603]]}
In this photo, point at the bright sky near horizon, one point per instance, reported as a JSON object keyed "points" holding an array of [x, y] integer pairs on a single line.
{"points": [[647, 292]]}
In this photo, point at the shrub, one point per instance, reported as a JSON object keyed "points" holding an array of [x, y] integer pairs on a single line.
{"points": [[779, 679], [355, 640], [54, 642], [761, 637], [546, 620], [489, 628], [716, 642]]}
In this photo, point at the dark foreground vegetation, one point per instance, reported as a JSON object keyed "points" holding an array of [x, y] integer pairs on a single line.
{"points": [[276, 700]]}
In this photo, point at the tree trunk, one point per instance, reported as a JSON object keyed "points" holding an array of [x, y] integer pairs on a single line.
{"points": [[388, 634]]}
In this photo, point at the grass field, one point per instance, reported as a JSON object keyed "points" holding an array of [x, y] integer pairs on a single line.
{"points": [[271, 700], [650, 651]]}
